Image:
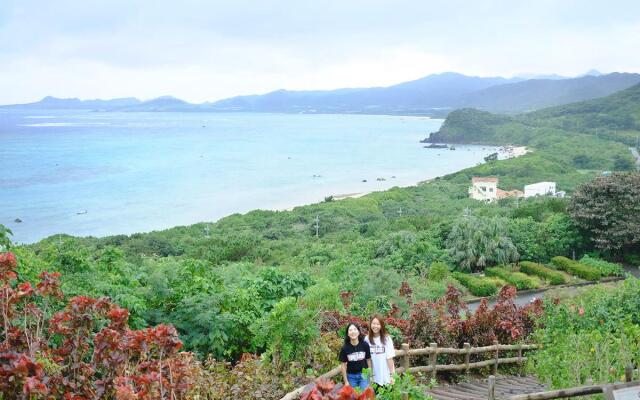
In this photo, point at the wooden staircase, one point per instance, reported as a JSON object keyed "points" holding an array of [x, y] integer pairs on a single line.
{"points": [[504, 388]]}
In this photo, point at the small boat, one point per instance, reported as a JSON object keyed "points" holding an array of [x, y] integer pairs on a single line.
{"points": [[81, 212]]}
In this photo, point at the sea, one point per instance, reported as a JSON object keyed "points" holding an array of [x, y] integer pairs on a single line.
{"points": [[88, 173]]}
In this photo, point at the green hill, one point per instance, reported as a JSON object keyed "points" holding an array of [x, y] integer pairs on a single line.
{"points": [[615, 117], [591, 134]]}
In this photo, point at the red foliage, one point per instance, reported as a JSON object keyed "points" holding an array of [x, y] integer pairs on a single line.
{"points": [[7, 265], [327, 390], [406, 291], [346, 298], [98, 356], [448, 321]]}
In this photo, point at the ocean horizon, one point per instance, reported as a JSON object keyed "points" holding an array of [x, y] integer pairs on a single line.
{"points": [[103, 173]]}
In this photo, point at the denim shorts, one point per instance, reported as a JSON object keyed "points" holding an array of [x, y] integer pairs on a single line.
{"points": [[357, 381]]}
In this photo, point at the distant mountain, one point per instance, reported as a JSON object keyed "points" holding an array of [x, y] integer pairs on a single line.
{"points": [[593, 72], [161, 104], [542, 76], [434, 95], [536, 94], [433, 92], [54, 103]]}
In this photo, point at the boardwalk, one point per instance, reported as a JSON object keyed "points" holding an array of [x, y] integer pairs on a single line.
{"points": [[506, 386]]}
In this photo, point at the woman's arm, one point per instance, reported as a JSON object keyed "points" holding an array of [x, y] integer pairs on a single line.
{"points": [[343, 367], [391, 353], [392, 369]]}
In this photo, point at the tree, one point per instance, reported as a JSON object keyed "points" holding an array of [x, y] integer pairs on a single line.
{"points": [[622, 163], [5, 241], [581, 161], [286, 332], [607, 209], [475, 243]]}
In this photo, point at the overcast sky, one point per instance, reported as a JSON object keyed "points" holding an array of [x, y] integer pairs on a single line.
{"points": [[207, 50]]}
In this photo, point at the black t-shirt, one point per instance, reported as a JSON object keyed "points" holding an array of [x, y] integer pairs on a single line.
{"points": [[355, 356]]}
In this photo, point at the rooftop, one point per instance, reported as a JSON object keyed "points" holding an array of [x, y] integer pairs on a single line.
{"points": [[478, 179]]}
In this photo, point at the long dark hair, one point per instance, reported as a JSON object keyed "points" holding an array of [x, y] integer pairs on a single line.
{"points": [[383, 329], [347, 339]]}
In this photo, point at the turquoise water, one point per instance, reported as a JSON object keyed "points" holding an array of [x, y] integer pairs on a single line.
{"points": [[87, 173]]}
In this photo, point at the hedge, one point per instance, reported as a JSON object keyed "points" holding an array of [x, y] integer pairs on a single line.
{"points": [[604, 267], [553, 276], [477, 286], [518, 279], [575, 268]]}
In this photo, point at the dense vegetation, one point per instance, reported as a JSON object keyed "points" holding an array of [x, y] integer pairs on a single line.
{"points": [[591, 337], [265, 283]]}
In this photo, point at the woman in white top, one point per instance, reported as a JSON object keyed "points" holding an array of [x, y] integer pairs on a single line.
{"points": [[382, 351]]}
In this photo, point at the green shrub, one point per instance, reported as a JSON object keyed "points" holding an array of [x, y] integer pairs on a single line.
{"points": [[438, 271], [404, 383], [286, 332], [604, 267], [323, 296], [477, 286], [531, 268], [518, 279], [633, 259], [575, 268]]}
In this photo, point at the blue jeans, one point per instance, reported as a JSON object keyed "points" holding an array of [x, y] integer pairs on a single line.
{"points": [[357, 381]]}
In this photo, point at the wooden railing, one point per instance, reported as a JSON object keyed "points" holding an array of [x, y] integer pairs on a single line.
{"points": [[405, 353], [575, 391]]}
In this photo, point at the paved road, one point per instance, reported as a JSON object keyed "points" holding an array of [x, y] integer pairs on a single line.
{"points": [[526, 298], [634, 151]]}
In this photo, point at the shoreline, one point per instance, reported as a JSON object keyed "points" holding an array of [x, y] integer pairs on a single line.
{"points": [[340, 193], [338, 196], [509, 151]]}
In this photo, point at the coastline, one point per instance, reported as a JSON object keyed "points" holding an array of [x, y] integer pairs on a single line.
{"points": [[274, 168], [508, 151], [338, 195]]}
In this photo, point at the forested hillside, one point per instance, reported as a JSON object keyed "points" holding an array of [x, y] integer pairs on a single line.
{"points": [[282, 283]]}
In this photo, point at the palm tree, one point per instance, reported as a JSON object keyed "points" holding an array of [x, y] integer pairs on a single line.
{"points": [[475, 243]]}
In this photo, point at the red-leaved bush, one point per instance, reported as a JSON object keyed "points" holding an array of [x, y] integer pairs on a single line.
{"points": [[324, 389], [84, 351], [449, 322]]}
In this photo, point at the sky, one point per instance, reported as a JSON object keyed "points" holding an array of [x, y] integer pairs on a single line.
{"points": [[207, 50]]}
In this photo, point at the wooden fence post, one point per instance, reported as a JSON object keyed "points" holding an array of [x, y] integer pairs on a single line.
{"points": [[520, 353], [433, 359], [467, 349], [492, 387], [405, 358], [628, 373], [495, 364]]}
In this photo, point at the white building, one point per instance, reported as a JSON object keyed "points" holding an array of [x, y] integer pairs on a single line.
{"points": [[484, 188], [540, 189]]}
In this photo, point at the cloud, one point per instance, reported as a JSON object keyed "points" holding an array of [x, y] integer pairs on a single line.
{"points": [[206, 50]]}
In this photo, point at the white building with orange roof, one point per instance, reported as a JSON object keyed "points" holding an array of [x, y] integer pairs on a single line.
{"points": [[484, 188]]}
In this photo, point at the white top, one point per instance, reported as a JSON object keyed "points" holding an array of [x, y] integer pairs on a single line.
{"points": [[380, 353]]}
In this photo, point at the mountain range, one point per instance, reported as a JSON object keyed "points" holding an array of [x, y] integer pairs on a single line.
{"points": [[434, 95]]}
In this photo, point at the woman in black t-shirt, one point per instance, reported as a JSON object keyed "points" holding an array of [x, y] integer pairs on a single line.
{"points": [[355, 355]]}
